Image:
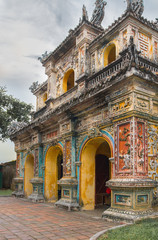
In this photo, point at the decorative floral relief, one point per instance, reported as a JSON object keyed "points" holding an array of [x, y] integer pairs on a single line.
{"points": [[68, 157], [124, 147], [140, 146], [18, 165], [93, 64], [36, 163], [82, 62], [153, 151], [100, 56]]}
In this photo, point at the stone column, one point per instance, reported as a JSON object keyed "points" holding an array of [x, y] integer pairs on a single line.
{"points": [[69, 181], [18, 181], [37, 181], [131, 189]]}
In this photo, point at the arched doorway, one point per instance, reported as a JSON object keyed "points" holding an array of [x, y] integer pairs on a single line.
{"points": [[95, 171], [28, 175], [53, 172], [109, 54], [68, 80]]}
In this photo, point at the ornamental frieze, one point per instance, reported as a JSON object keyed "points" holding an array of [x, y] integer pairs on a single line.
{"points": [[121, 105], [91, 120], [142, 103]]}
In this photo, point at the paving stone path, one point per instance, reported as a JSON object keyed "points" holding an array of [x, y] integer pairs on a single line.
{"points": [[24, 220]]}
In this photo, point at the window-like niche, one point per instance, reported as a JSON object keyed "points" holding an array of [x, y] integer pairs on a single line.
{"points": [[109, 54], [68, 80], [44, 97]]}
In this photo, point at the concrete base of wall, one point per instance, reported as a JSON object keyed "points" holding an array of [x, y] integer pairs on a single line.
{"points": [[36, 198], [69, 204], [127, 216], [18, 194]]}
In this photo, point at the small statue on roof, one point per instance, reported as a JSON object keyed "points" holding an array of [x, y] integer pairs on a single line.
{"points": [[34, 86], [136, 6], [44, 56], [98, 13], [84, 13]]}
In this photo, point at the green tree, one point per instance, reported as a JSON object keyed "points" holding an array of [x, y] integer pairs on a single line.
{"points": [[11, 109]]}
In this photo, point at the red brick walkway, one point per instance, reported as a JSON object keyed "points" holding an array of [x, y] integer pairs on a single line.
{"points": [[21, 219]]}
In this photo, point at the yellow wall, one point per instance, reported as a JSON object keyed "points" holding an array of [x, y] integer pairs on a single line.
{"points": [[51, 173], [87, 184], [29, 174]]}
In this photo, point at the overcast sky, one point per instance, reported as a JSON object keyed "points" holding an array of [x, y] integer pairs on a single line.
{"points": [[28, 28]]}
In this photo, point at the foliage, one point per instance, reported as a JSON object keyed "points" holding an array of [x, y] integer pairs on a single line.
{"points": [[6, 192], [142, 230], [11, 109]]}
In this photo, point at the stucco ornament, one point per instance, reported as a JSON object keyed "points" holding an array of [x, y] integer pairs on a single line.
{"points": [[44, 56], [98, 13], [133, 53], [127, 161], [15, 127], [84, 13], [136, 6]]}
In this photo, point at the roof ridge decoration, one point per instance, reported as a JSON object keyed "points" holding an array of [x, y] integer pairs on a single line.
{"points": [[98, 13], [15, 127], [44, 56], [156, 22], [136, 6]]}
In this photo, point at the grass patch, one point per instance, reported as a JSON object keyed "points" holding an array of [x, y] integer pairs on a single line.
{"points": [[143, 230], [6, 192]]}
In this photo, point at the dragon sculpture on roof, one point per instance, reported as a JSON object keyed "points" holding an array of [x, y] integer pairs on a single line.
{"points": [[136, 6], [98, 13]]}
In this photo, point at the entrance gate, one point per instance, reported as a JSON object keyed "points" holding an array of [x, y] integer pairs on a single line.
{"points": [[95, 171], [101, 177]]}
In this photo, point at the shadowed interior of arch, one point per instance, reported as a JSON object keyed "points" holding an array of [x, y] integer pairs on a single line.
{"points": [[53, 172], [29, 174], [109, 54], [95, 171], [68, 80]]}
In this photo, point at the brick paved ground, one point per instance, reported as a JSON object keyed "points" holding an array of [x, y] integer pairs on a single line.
{"points": [[24, 220]]}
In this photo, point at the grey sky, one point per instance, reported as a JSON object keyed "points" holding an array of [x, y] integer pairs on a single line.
{"points": [[31, 27]]}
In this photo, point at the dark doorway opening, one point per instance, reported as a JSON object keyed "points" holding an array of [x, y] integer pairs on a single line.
{"points": [[102, 175], [60, 172]]}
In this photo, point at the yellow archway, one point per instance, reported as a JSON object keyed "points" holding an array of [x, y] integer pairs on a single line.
{"points": [[94, 147], [28, 175], [53, 172], [68, 80], [109, 54]]}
